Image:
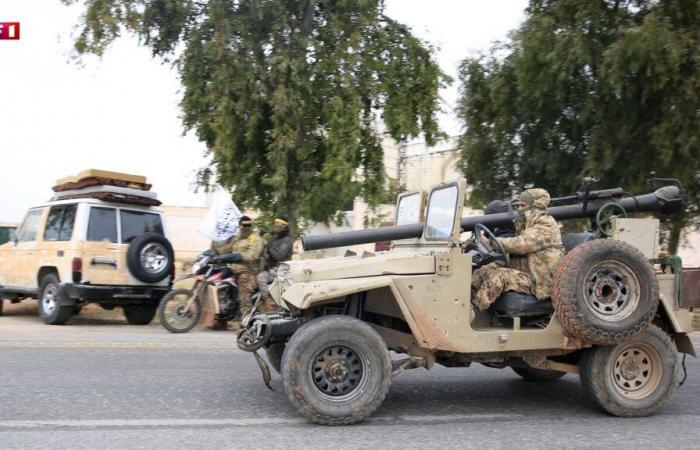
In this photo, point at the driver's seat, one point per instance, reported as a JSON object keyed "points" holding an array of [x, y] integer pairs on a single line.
{"points": [[516, 304]]}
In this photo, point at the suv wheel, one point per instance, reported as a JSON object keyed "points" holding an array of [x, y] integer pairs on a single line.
{"points": [[50, 298], [634, 378], [140, 314], [336, 370], [150, 257]]}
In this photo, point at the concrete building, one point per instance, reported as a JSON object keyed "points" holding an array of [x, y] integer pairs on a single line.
{"points": [[183, 223]]}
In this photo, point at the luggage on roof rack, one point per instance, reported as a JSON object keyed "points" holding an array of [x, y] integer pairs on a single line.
{"points": [[96, 177], [107, 186]]}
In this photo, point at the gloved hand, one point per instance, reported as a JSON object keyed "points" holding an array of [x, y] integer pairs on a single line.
{"points": [[230, 258]]}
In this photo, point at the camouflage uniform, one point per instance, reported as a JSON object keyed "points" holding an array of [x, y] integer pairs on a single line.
{"points": [[250, 245], [278, 249], [539, 240]]}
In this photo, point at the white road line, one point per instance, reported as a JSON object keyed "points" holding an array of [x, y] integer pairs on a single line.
{"points": [[118, 345], [262, 421]]}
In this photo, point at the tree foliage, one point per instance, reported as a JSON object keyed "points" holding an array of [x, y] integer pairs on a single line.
{"points": [[286, 94], [607, 88]]}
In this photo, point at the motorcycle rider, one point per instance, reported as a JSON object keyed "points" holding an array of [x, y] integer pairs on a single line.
{"points": [[245, 250], [278, 249]]}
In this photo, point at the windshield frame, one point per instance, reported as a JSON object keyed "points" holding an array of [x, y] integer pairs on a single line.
{"points": [[455, 211]]}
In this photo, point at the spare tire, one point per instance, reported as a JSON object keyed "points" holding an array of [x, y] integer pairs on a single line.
{"points": [[150, 257], [605, 291]]}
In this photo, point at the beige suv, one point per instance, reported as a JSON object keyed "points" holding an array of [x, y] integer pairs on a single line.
{"points": [[67, 253]]}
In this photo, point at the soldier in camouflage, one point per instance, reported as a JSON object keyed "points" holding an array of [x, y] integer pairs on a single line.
{"points": [[249, 245], [538, 239], [278, 249]]}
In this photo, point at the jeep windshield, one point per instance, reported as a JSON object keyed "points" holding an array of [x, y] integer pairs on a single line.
{"points": [[442, 207]]}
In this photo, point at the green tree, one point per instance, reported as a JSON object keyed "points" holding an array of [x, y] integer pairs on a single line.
{"points": [[607, 88], [286, 94]]}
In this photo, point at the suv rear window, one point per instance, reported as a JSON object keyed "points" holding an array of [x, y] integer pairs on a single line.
{"points": [[135, 223], [59, 224], [102, 225]]}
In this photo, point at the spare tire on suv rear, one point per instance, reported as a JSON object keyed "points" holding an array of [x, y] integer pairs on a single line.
{"points": [[150, 257], [605, 291]]}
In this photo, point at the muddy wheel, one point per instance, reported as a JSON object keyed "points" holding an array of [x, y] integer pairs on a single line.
{"points": [[174, 313], [336, 370], [605, 292], [52, 302], [274, 354], [633, 378], [538, 375]]}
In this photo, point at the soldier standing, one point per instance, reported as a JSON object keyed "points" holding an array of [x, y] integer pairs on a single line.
{"points": [[278, 249], [539, 240], [248, 246]]}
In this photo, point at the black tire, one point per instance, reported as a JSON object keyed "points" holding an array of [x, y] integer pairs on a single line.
{"points": [[274, 354], [635, 390], [140, 314], [336, 370], [171, 313], [51, 295], [605, 292], [150, 257], [538, 375]]}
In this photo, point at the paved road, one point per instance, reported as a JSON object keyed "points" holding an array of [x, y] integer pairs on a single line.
{"points": [[99, 383]]}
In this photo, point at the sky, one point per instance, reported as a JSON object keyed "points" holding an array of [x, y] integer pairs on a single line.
{"points": [[59, 116]]}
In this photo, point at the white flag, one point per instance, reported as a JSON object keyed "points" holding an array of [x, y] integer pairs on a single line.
{"points": [[221, 221]]}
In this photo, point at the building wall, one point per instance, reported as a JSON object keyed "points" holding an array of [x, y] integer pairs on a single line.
{"points": [[183, 224]]}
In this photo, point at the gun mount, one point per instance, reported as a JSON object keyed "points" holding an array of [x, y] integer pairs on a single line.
{"points": [[665, 200]]}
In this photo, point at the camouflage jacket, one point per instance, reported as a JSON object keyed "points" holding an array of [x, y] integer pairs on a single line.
{"points": [[540, 240], [250, 249]]}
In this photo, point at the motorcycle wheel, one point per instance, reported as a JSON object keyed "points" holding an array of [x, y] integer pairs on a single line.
{"points": [[174, 314]]}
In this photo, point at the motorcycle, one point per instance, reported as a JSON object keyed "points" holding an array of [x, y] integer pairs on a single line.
{"points": [[180, 310]]}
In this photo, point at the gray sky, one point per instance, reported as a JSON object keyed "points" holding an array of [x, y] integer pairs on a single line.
{"points": [[120, 113]]}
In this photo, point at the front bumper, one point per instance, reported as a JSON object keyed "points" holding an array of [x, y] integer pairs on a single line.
{"points": [[119, 295]]}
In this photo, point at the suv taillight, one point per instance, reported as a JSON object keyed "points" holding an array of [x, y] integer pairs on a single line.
{"points": [[77, 269]]}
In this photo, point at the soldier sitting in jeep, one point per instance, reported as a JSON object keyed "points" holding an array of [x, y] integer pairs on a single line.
{"points": [[539, 246]]}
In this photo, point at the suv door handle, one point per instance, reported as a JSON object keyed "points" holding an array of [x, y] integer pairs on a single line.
{"points": [[102, 260]]}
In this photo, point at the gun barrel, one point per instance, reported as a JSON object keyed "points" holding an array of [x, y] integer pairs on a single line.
{"points": [[666, 200]]}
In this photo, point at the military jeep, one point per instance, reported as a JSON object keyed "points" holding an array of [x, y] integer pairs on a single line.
{"points": [[617, 316]]}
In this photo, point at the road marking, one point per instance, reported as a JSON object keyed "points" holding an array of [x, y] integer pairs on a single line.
{"points": [[121, 345], [244, 422], [136, 345]]}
